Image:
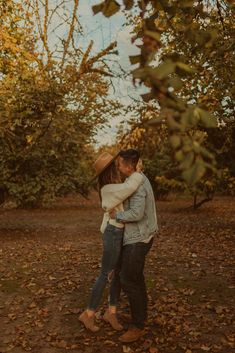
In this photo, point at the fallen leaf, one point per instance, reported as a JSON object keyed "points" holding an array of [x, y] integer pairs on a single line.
{"points": [[109, 343], [153, 350], [126, 349], [205, 348]]}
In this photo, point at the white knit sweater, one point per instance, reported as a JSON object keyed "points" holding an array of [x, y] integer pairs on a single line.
{"points": [[113, 195]]}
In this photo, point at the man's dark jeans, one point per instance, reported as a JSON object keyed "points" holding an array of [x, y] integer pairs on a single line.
{"points": [[133, 281]]}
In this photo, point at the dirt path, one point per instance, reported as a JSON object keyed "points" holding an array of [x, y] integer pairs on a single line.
{"points": [[49, 258]]}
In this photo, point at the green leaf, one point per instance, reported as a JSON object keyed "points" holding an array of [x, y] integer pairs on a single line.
{"points": [[184, 68], [164, 69], [155, 121], [97, 8], [196, 147], [207, 119], [194, 173], [189, 118], [110, 8], [128, 4], [187, 147], [199, 136], [213, 37], [153, 34], [148, 96], [141, 73], [134, 59], [173, 125], [176, 83], [150, 23], [187, 162], [179, 156], [206, 153], [171, 9], [175, 141], [186, 3]]}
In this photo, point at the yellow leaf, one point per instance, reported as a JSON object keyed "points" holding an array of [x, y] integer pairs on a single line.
{"points": [[153, 350], [205, 348]]}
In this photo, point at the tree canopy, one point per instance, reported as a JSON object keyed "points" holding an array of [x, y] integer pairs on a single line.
{"points": [[54, 98], [51, 105], [186, 60]]}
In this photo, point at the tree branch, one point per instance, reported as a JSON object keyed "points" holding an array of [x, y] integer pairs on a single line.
{"points": [[71, 30]]}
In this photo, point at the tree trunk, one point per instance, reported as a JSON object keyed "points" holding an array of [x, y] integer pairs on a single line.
{"points": [[197, 205]]}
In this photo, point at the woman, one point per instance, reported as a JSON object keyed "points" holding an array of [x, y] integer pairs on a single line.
{"points": [[112, 193]]}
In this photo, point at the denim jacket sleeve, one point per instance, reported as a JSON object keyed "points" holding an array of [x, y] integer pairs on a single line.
{"points": [[113, 194], [137, 207]]}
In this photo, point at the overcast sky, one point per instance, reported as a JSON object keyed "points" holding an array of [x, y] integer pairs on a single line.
{"points": [[103, 31]]}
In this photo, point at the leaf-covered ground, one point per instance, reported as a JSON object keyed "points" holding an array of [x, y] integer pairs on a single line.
{"points": [[49, 259]]}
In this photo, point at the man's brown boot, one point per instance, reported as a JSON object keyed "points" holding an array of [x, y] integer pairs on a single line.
{"points": [[89, 322], [132, 335], [112, 320]]}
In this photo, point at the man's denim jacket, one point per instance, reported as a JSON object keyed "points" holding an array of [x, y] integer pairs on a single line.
{"points": [[139, 214]]}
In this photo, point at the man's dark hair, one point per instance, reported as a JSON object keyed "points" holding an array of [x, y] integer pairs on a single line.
{"points": [[130, 156]]}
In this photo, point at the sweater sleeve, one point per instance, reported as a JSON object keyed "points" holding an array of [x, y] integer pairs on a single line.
{"points": [[137, 207], [114, 194]]}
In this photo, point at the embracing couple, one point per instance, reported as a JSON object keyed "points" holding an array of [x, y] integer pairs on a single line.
{"points": [[128, 228]]}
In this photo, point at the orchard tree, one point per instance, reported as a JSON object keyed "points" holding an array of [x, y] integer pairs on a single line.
{"points": [[185, 44], [160, 166], [153, 144], [52, 102]]}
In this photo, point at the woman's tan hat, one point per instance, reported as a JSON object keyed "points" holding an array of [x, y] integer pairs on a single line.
{"points": [[102, 162]]}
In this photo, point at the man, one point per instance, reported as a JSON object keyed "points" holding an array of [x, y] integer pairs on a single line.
{"points": [[139, 217]]}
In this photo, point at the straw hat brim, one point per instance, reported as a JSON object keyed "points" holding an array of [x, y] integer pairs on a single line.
{"points": [[106, 166]]}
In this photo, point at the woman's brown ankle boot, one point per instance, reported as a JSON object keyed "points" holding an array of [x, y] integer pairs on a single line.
{"points": [[112, 320], [89, 322]]}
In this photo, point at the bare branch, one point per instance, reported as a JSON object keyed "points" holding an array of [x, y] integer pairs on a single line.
{"points": [[67, 42], [45, 20], [54, 11], [101, 72], [43, 30], [84, 62], [102, 53]]}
